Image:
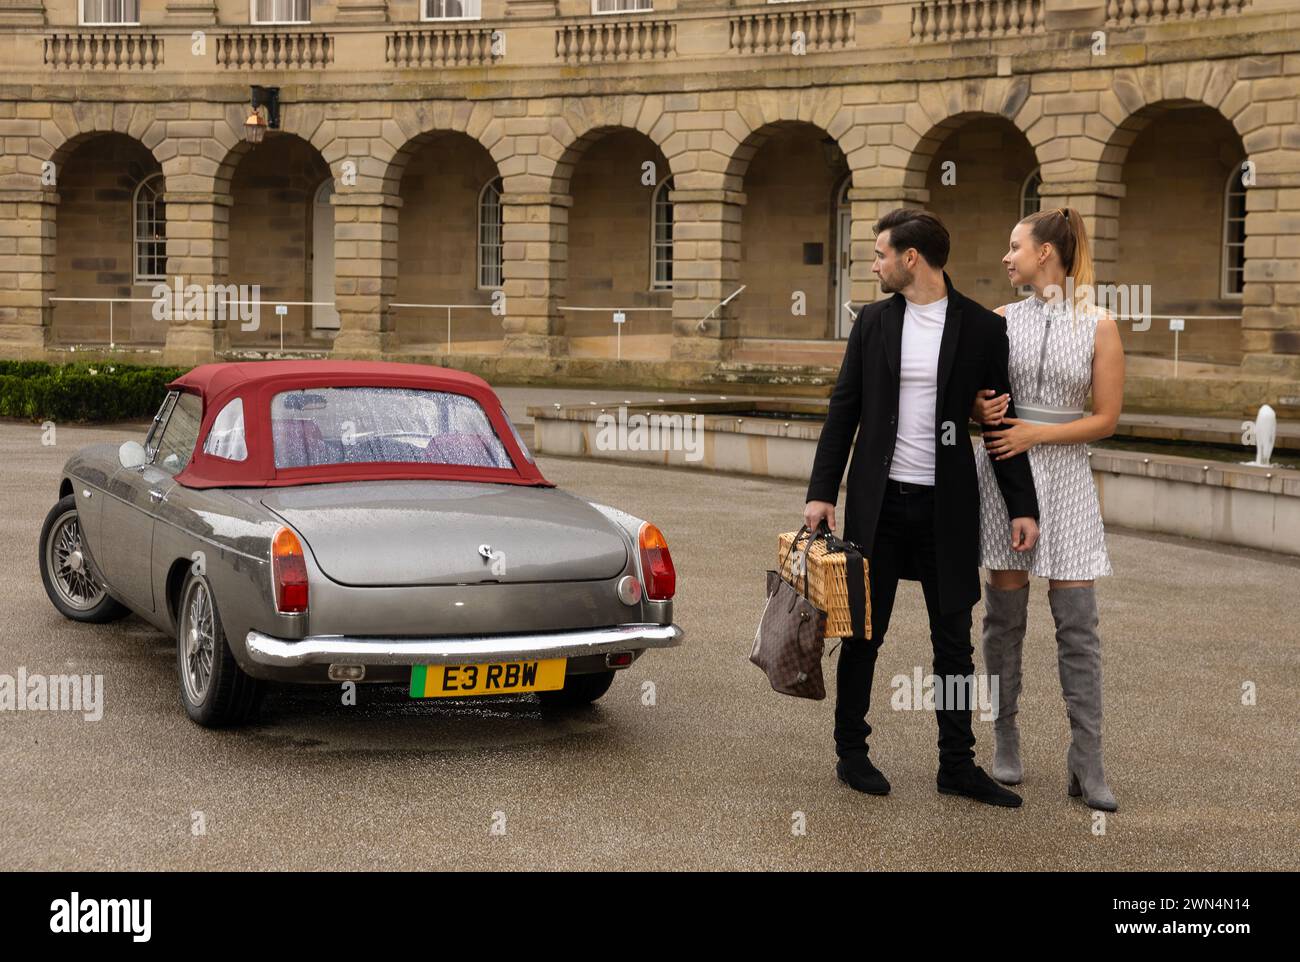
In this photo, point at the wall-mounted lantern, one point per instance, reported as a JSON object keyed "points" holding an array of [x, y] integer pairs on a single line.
{"points": [[256, 126]]}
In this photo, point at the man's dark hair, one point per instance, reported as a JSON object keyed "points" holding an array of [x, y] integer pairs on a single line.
{"points": [[920, 229]]}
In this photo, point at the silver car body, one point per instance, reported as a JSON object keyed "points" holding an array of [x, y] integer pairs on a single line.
{"points": [[396, 572]]}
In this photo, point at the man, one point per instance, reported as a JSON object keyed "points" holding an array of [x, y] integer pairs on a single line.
{"points": [[912, 367]]}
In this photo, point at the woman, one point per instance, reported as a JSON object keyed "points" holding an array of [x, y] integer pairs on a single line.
{"points": [[1061, 347]]}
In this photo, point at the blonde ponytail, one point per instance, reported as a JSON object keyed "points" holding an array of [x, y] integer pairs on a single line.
{"points": [[1063, 228]]}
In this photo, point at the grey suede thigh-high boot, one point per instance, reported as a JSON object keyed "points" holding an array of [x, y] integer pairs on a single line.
{"points": [[1078, 657], [1005, 612]]}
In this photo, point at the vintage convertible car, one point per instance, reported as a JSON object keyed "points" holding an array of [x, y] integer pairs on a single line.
{"points": [[329, 522]]}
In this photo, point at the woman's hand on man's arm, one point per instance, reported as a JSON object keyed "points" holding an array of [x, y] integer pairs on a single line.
{"points": [[989, 407]]}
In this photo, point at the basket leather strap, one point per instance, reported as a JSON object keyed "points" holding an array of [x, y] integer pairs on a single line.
{"points": [[857, 592], [853, 573]]}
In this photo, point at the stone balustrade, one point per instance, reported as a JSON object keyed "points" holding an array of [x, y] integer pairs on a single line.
{"points": [[117, 50]]}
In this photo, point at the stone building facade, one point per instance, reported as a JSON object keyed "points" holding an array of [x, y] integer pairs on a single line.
{"points": [[482, 183]]}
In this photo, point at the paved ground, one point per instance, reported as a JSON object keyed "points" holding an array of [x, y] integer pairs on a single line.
{"points": [[710, 776]]}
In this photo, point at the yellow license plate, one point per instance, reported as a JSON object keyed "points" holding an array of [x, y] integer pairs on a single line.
{"points": [[493, 678]]}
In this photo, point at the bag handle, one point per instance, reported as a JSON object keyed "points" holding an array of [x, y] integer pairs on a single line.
{"points": [[793, 544], [821, 532], [794, 577]]}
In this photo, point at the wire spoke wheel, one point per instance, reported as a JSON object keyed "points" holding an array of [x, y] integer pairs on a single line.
{"points": [[69, 569], [197, 641]]}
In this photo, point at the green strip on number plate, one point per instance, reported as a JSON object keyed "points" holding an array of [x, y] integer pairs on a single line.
{"points": [[418, 673]]}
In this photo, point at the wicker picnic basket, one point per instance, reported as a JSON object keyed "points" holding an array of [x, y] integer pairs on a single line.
{"points": [[827, 584]]}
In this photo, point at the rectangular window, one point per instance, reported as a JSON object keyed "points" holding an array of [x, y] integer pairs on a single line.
{"points": [[151, 260], [368, 425], [662, 242], [102, 13], [451, 10], [281, 11], [150, 232], [1234, 238], [621, 6], [491, 273]]}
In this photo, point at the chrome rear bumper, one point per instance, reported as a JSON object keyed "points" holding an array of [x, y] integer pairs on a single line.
{"points": [[467, 650]]}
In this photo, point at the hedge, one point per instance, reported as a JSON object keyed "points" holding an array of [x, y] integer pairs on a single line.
{"points": [[82, 391]]}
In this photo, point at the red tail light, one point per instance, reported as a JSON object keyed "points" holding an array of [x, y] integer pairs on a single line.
{"points": [[289, 572], [656, 564]]}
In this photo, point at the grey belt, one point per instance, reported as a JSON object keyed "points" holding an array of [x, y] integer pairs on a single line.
{"points": [[1045, 414]]}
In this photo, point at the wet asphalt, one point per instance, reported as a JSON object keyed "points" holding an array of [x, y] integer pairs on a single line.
{"points": [[690, 761]]}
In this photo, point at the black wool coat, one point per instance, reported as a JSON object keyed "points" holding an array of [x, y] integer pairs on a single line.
{"points": [[972, 355]]}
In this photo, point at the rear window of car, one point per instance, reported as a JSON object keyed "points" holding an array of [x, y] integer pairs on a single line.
{"points": [[359, 425]]}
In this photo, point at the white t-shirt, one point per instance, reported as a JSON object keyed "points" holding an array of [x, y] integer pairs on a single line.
{"points": [[918, 392]]}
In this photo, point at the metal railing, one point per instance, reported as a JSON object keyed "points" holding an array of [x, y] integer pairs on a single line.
{"points": [[282, 313], [1179, 318], [721, 304], [110, 301], [112, 345], [450, 308], [617, 320]]}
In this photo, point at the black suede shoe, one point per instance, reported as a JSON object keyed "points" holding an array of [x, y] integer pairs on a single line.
{"points": [[974, 783], [858, 773]]}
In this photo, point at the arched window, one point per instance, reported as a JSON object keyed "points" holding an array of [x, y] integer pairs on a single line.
{"points": [[491, 272], [1234, 235], [661, 241], [1030, 200], [150, 230]]}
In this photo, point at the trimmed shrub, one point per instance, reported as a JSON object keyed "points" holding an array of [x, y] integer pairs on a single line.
{"points": [[82, 391]]}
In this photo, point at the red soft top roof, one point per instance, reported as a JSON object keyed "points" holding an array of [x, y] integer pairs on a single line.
{"points": [[257, 382]]}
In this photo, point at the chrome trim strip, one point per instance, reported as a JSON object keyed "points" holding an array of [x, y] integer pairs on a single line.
{"points": [[464, 650]]}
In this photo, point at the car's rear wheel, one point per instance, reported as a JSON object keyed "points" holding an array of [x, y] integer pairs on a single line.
{"points": [[215, 691], [66, 571], [578, 690]]}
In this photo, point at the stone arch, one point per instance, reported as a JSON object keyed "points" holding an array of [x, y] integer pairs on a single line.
{"points": [[73, 124], [414, 124], [790, 172], [929, 146], [267, 236], [537, 213], [759, 116], [439, 176], [970, 170], [940, 108], [609, 181], [1136, 97], [95, 248], [1173, 159], [584, 121]]}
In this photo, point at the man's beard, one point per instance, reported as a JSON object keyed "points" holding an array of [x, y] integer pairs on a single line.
{"points": [[896, 283]]}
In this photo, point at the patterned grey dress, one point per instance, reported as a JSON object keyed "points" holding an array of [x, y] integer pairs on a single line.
{"points": [[1050, 366]]}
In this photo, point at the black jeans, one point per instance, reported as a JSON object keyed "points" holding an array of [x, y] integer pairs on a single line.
{"points": [[905, 542]]}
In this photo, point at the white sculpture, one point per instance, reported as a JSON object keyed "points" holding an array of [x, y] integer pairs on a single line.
{"points": [[1265, 435]]}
